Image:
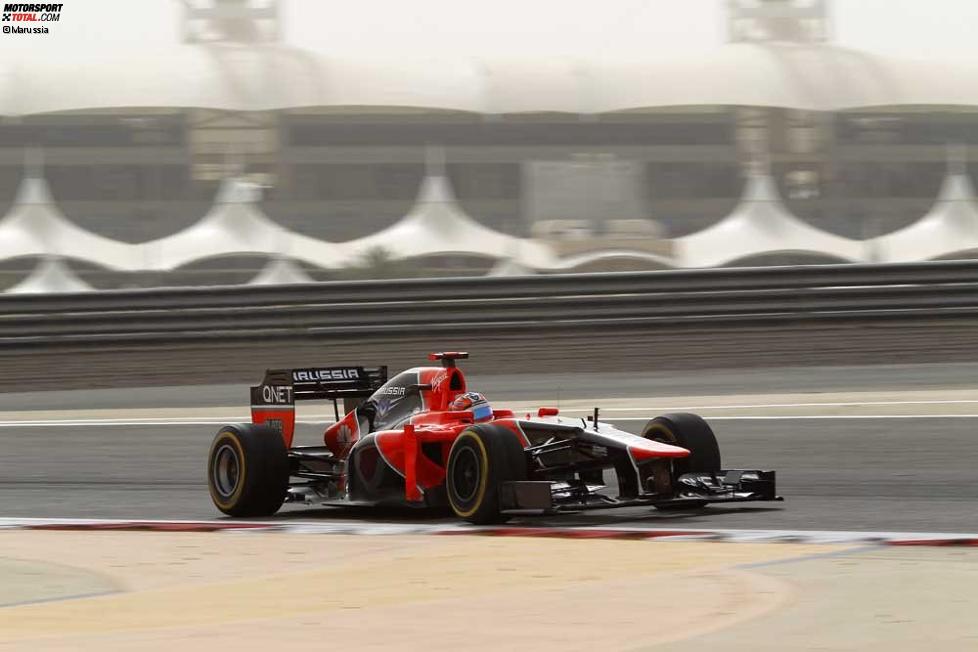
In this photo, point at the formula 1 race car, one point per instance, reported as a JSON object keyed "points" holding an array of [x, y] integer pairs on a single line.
{"points": [[423, 438]]}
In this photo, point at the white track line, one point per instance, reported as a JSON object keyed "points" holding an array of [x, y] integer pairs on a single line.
{"points": [[89, 423], [576, 411], [788, 417], [649, 409], [754, 406], [93, 423]]}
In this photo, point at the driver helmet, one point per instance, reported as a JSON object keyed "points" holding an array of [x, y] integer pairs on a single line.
{"points": [[476, 403]]}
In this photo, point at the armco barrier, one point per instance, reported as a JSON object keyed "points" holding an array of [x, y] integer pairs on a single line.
{"points": [[755, 296], [755, 278], [835, 314], [653, 307]]}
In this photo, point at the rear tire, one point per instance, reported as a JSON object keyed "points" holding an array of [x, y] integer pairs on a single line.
{"points": [[691, 432], [248, 470], [481, 459]]}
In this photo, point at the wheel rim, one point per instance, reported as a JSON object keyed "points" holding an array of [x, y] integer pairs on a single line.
{"points": [[662, 435], [226, 470], [466, 475]]}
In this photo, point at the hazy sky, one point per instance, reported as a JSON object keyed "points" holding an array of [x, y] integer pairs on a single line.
{"points": [[612, 28]]}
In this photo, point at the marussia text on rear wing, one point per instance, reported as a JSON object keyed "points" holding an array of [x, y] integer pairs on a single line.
{"points": [[273, 401]]}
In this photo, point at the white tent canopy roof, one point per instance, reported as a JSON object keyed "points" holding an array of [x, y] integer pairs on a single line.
{"points": [[34, 226], [950, 226], [273, 77], [51, 276], [759, 225], [437, 225], [281, 271], [234, 226]]}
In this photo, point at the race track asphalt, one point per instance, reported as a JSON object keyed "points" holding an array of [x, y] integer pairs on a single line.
{"points": [[873, 473]]}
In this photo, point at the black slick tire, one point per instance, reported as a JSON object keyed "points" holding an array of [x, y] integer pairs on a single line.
{"points": [[482, 458], [248, 470], [691, 432]]}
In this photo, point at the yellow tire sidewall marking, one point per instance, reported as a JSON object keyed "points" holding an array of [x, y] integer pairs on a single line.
{"points": [[224, 437], [660, 429], [483, 476]]}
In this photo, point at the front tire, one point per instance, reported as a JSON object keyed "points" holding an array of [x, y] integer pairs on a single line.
{"points": [[248, 470], [691, 432], [695, 435], [481, 459]]}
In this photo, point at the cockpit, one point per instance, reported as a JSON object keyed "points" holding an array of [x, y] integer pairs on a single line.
{"points": [[394, 402]]}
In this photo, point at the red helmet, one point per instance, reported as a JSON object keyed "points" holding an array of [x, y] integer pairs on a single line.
{"points": [[476, 403]]}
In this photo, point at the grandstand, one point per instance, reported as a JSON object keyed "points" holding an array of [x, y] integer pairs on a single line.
{"points": [[576, 154]]}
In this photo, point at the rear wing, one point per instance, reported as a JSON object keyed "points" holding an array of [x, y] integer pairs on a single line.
{"points": [[273, 401], [323, 382]]}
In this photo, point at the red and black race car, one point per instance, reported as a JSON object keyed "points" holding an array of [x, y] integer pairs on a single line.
{"points": [[424, 439]]}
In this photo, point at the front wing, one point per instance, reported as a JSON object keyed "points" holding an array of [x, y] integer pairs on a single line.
{"points": [[690, 490]]}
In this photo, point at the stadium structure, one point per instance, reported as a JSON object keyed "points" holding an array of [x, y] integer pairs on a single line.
{"points": [[234, 156]]}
